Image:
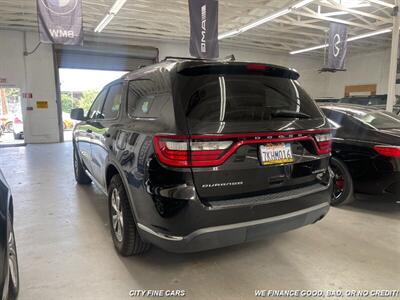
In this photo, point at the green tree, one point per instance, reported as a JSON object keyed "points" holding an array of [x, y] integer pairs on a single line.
{"points": [[87, 98], [67, 102], [12, 92]]}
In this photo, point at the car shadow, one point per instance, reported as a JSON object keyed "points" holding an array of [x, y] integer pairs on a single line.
{"points": [[375, 205], [214, 268]]}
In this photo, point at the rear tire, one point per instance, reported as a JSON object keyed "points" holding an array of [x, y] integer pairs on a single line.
{"points": [[125, 235], [9, 127], [343, 183], [18, 136], [80, 174], [13, 284]]}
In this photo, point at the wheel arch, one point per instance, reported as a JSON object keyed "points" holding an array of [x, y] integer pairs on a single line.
{"points": [[11, 209], [111, 170]]}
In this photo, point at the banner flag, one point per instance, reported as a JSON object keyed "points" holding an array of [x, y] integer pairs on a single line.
{"points": [[337, 49], [204, 28], [60, 21]]}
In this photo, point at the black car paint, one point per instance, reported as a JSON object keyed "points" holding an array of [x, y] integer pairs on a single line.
{"points": [[353, 144], [5, 210], [171, 200]]}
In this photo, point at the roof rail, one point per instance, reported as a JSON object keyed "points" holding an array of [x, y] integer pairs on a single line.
{"points": [[185, 58]]}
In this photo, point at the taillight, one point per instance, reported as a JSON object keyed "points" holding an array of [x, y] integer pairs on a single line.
{"points": [[387, 150], [17, 120], [214, 150], [179, 151], [257, 67], [324, 142]]}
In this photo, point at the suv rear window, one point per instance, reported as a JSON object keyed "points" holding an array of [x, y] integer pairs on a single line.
{"points": [[242, 98]]}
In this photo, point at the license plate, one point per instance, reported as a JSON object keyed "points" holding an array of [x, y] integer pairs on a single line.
{"points": [[279, 153]]}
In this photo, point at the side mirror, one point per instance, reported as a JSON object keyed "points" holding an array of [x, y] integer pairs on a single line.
{"points": [[77, 114]]}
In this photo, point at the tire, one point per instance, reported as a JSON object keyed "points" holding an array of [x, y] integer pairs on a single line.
{"points": [[79, 170], [18, 136], [13, 284], [343, 183], [9, 127], [126, 238]]}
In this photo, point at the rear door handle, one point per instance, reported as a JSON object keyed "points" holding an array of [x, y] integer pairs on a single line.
{"points": [[107, 135]]}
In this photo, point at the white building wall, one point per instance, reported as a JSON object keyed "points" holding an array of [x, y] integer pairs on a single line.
{"points": [[368, 68], [33, 74]]}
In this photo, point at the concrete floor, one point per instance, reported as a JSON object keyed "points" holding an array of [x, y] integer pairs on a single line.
{"points": [[66, 252]]}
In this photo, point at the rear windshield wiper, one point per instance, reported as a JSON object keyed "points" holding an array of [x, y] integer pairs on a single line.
{"points": [[285, 113]]}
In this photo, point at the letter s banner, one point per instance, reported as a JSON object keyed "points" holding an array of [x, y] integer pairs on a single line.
{"points": [[60, 21], [204, 28]]}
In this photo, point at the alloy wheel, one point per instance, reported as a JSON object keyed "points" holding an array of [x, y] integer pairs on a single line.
{"points": [[12, 259], [75, 163], [116, 215], [339, 183]]}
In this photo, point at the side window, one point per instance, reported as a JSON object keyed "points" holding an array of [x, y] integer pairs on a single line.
{"points": [[113, 102], [144, 100], [95, 110], [334, 116]]}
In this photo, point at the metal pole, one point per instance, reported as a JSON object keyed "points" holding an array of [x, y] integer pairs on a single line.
{"points": [[391, 95]]}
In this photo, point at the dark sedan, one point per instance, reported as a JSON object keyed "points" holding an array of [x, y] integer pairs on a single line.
{"points": [[9, 278], [366, 151]]}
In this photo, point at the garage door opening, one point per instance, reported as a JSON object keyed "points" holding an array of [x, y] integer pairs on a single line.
{"points": [[11, 121], [82, 71], [78, 88]]}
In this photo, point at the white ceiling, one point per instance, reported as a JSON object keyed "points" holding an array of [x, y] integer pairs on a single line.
{"points": [[168, 20]]}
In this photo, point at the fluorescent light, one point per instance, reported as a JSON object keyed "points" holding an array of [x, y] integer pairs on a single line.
{"points": [[354, 38], [110, 15], [103, 23], [310, 49], [301, 4], [383, 3], [228, 34], [117, 6], [264, 20], [363, 36]]}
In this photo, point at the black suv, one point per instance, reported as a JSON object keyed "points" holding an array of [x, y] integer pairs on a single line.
{"points": [[196, 154]]}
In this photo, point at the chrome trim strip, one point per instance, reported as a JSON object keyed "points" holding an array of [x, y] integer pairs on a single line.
{"points": [[160, 235], [233, 226]]}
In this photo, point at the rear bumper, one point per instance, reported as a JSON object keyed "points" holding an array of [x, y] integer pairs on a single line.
{"points": [[226, 235]]}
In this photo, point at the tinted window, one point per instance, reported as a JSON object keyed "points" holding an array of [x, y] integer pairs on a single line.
{"points": [[360, 101], [377, 101], [242, 98], [113, 102], [95, 110], [379, 119], [144, 100], [336, 119]]}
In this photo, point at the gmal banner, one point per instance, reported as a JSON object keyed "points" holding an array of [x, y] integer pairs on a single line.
{"points": [[60, 21], [204, 28]]}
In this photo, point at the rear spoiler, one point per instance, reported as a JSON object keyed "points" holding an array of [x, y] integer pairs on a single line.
{"points": [[193, 68]]}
